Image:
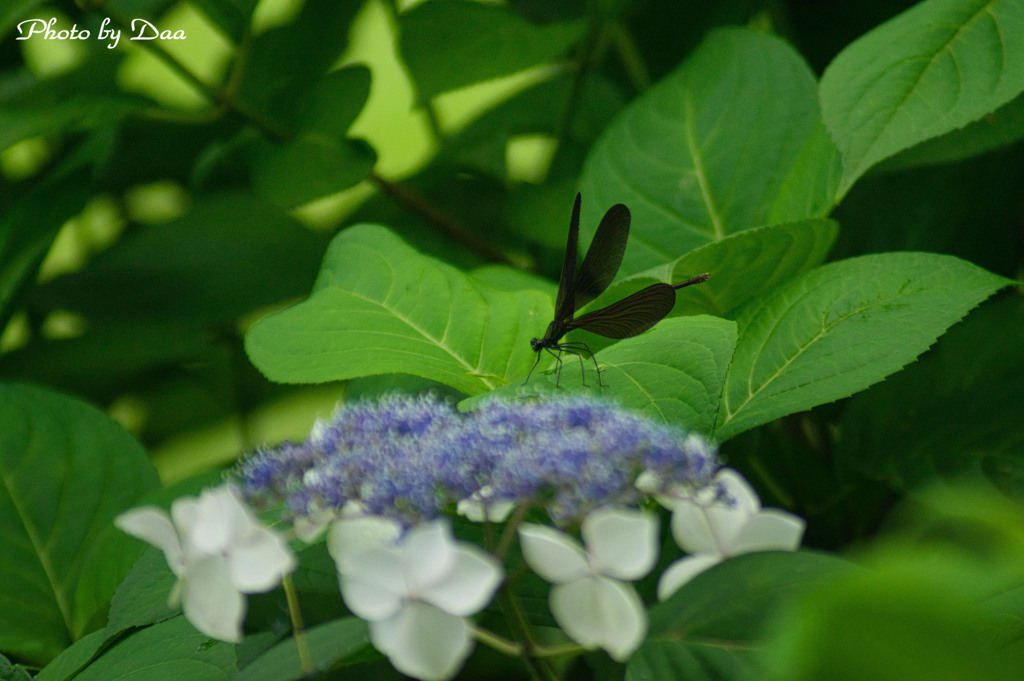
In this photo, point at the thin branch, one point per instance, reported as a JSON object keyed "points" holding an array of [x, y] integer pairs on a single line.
{"points": [[446, 223]]}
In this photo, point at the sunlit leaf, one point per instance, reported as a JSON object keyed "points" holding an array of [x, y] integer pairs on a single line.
{"points": [[674, 373], [838, 329], [742, 266], [937, 67], [448, 44], [380, 307], [729, 141]]}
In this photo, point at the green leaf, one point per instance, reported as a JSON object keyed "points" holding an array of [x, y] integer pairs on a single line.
{"points": [[939, 601], [742, 266], [333, 104], [27, 230], [310, 168], [65, 471], [285, 62], [232, 17], [840, 328], [320, 160], [711, 628], [169, 651], [331, 645], [81, 99], [227, 256], [995, 130], [448, 44], [72, 658], [12, 672], [106, 359], [141, 599], [380, 307], [673, 373], [959, 410], [935, 68], [713, 149], [13, 11]]}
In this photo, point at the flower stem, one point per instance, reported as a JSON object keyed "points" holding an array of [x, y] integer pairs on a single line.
{"points": [[298, 628], [539, 669]]}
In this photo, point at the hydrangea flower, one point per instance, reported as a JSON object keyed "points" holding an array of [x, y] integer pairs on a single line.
{"points": [[590, 600], [410, 458], [575, 454], [218, 550], [723, 520], [416, 590]]}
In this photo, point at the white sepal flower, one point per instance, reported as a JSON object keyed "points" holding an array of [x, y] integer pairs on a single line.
{"points": [[722, 520], [218, 550], [415, 591], [482, 506], [589, 599]]}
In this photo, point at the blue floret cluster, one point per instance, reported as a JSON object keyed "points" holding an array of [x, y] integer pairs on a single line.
{"points": [[411, 458]]}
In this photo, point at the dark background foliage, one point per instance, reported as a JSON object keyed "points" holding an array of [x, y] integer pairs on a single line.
{"points": [[181, 220]]}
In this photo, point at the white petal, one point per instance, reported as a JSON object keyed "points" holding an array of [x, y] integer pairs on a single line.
{"points": [[480, 507], [601, 612], [648, 482], [309, 528], [739, 491], [692, 529], [423, 642], [220, 520], [707, 524], [553, 555], [428, 556], [349, 537], [622, 543], [770, 530], [210, 602], [152, 524], [470, 584], [374, 589], [260, 561], [683, 570]]}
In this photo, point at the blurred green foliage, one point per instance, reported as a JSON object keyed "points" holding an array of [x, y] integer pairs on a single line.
{"points": [[160, 198]]}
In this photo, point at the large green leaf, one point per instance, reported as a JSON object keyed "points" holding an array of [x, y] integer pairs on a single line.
{"points": [[168, 651], [742, 266], [381, 307], [65, 471], [729, 141], [933, 69], [448, 44], [838, 329], [674, 373], [997, 129], [713, 626], [330, 646]]}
